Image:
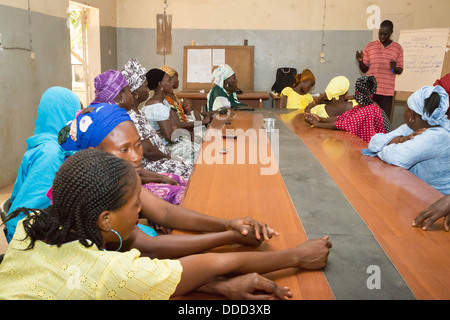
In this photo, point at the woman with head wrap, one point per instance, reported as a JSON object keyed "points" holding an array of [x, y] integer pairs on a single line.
{"points": [[363, 120], [223, 93], [111, 87], [157, 156], [157, 110], [109, 128], [44, 155], [422, 144], [177, 115], [68, 250], [298, 97], [95, 126], [336, 92], [171, 98]]}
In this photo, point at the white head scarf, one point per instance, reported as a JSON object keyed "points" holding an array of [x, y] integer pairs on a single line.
{"points": [[416, 103], [134, 72], [221, 73]]}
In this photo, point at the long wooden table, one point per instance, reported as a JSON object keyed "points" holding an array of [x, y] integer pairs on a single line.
{"points": [[221, 187], [387, 198]]}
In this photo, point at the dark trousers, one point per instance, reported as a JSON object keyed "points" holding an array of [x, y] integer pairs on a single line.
{"points": [[385, 103]]}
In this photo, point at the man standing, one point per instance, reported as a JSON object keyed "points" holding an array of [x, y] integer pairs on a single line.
{"points": [[382, 59]]}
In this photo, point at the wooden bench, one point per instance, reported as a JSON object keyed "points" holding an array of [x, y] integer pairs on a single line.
{"points": [[387, 198], [232, 190]]}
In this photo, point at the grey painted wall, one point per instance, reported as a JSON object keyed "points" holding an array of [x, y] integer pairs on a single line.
{"points": [[23, 80], [273, 49]]}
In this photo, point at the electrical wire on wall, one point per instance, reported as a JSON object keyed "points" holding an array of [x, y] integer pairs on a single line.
{"points": [[322, 51], [30, 49], [165, 29]]}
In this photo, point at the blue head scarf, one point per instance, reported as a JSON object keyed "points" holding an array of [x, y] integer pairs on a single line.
{"points": [[43, 156], [57, 107], [89, 129], [416, 103]]}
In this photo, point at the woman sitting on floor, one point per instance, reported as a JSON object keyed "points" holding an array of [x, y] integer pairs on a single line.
{"points": [[363, 120], [422, 144], [157, 156], [223, 93]]}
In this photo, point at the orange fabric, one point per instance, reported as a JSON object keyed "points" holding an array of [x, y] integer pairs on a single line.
{"points": [[305, 75], [177, 107]]}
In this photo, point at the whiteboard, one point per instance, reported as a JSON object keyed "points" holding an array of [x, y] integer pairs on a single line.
{"points": [[424, 52]]}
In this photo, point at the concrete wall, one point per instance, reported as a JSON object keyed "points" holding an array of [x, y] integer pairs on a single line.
{"points": [[23, 80], [273, 49], [287, 33]]}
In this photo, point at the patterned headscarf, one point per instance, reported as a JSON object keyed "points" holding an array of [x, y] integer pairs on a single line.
{"points": [[169, 70], [365, 88], [337, 87], [305, 75], [89, 129], [416, 103], [221, 73], [108, 85], [134, 72]]}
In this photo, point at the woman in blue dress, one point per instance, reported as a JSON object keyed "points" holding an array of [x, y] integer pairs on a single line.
{"points": [[44, 155], [422, 144]]}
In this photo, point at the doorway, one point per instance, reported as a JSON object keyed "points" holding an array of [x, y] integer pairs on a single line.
{"points": [[84, 25]]}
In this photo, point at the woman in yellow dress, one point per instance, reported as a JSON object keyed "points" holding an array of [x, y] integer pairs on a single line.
{"points": [[298, 97], [336, 92]]}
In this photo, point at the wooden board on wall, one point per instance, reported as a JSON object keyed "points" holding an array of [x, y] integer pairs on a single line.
{"points": [[163, 34], [239, 58]]}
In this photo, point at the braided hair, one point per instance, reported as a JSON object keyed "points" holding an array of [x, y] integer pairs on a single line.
{"points": [[87, 184]]}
